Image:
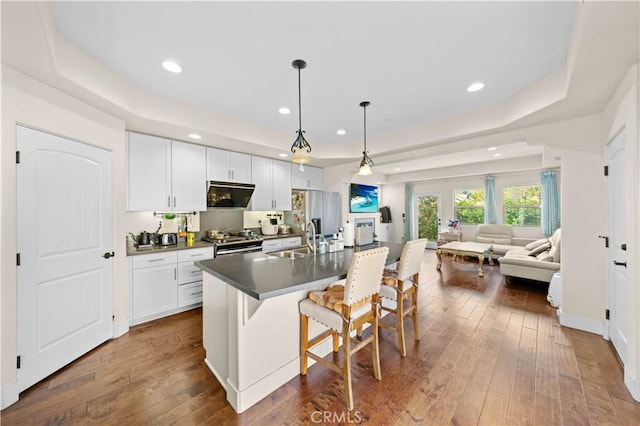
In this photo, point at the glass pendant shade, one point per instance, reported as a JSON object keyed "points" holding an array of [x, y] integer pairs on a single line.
{"points": [[365, 170]]}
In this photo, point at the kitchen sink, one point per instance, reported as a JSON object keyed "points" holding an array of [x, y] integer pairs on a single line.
{"points": [[293, 253]]}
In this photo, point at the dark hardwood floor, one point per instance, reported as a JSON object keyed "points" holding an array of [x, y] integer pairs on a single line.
{"points": [[490, 353]]}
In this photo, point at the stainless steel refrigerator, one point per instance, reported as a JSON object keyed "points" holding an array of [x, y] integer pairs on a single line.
{"points": [[321, 208]]}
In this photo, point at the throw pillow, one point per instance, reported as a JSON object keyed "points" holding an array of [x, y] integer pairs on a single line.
{"points": [[544, 256], [536, 243], [543, 247]]}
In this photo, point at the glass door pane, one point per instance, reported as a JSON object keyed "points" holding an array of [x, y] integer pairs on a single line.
{"points": [[428, 206]]}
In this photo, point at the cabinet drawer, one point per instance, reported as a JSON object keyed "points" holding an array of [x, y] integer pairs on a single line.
{"points": [[271, 245], [188, 294], [155, 259], [291, 242], [188, 273], [195, 254]]}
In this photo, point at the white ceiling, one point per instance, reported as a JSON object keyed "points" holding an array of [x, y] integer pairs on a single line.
{"points": [[411, 60]]}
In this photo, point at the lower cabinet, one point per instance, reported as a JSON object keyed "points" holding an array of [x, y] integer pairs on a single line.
{"points": [[165, 283], [281, 243]]}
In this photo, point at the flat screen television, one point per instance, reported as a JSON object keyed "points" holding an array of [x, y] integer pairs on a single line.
{"points": [[363, 198]]}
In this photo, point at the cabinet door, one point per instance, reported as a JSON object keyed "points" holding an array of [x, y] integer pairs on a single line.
{"points": [[262, 178], [218, 165], [240, 165], [291, 242], [299, 179], [314, 177], [154, 291], [189, 177], [271, 245], [149, 172], [281, 185]]}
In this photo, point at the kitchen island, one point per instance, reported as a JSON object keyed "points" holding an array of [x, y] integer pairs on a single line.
{"points": [[251, 324]]}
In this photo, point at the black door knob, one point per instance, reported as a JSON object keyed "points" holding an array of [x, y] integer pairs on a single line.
{"points": [[107, 255]]}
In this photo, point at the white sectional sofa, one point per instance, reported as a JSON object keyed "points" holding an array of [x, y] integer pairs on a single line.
{"points": [[501, 239], [538, 260]]}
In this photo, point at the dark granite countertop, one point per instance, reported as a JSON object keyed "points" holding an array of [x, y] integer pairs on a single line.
{"points": [[262, 276]]}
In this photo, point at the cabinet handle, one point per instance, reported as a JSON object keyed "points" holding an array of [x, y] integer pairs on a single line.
{"points": [[232, 175], [169, 201], [174, 201], [195, 272], [229, 174], [198, 293], [155, 260]]}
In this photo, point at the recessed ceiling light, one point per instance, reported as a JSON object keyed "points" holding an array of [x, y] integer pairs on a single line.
{"points": [[172, 66], [474, 87], [492, 148], [341, 132], [397, 169], [283, 155], [497, 154], [284, 111], [195, 136]]}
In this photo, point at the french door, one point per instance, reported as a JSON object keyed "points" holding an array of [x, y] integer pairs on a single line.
{"points": [[428, 213], [65, 274]]}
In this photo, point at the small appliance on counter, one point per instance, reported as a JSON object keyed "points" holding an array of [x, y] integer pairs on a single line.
{"points": [[169, 239], [269, 226], [364, 235], [141, 241]]}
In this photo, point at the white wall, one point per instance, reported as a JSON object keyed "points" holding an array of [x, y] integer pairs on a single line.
{"points": [[622, 112], [29, 102]]}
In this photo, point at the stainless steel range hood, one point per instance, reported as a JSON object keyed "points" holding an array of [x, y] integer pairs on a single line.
{"points": [[229, 194]]}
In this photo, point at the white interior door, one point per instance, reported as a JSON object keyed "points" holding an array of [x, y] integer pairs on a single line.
{"points": [[65, 285], [428, 212], [616, 254]]}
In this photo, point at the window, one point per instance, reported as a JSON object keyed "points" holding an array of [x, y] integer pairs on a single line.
{"points": [[522, 205], [469, 205]]}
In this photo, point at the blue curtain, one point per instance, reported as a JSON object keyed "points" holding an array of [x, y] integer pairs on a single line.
{"points": [[550, 206], [490, 209], [408, 212]]}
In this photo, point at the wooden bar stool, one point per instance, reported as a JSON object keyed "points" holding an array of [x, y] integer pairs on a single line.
{"points": [[343, 307], [400, 284]]}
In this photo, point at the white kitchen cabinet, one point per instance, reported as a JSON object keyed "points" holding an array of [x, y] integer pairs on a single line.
{"points": [[271, 245], [154, 286], [165, 175], [310, 178], [188, 177], [149, 172], [291, 242], [272, 179], [228, 166], [190, 276]]}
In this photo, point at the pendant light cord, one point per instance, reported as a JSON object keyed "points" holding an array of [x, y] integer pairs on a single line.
{"points": [[365, 129], [299, 102]]}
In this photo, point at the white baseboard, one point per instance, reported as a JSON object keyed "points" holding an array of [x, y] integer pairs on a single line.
{"points": [[10, 395], [223, 382], [120, 328], [632, 383], [581, 323]]}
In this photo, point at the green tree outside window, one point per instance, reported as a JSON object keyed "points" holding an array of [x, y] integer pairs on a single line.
{"points": [[522, 205], [469, 207]]}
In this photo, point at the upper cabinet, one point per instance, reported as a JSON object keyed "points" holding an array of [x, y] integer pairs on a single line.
{"points": [[272, 179], [165, 175], [310, 178], [227, 166]]}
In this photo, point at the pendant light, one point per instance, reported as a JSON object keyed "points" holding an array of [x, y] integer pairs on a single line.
{"points": [[300, 147], [367, 163]]}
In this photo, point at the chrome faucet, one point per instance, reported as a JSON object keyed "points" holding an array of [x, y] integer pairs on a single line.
{"points": [[312, 244]]}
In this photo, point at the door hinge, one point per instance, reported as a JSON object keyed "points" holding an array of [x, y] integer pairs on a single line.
{"points": [[606, 314], [17, 157], [606, 170], [18, 361], [18, 259]]}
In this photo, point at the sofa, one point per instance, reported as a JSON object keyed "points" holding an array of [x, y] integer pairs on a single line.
{"points": [[538, 260], [501, 239]]}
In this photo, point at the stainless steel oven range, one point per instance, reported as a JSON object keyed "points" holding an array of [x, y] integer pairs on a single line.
{"points": [[231, 245]]}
